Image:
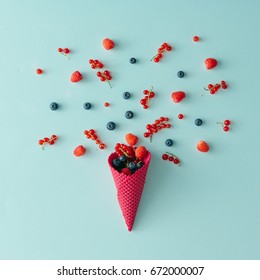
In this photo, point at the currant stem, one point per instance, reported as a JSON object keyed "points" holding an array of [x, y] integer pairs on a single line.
{"points": [[206, 89], [109, 84]]}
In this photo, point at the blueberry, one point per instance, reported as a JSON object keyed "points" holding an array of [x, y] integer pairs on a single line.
{"points": [[139, 164], [122, 158], [169, 142], [129, 114], [54, 106], [111, 125], [116, 163], [87, 105], [132, 60], [198, 122], [132, 166], [180, 74], [126, 95]]}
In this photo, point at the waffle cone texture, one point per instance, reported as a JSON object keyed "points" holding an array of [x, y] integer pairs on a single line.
{"points": [[129, 189]]}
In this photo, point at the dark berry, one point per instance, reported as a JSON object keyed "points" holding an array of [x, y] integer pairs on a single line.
{"points": [[180, 74], [116, 163], [139, 164], [111, 125], [169, 142], [132, 166], [198, 122], [129, 114], [126, 95], [54, 106], [87, 105], [122, 158], [132, 60]]}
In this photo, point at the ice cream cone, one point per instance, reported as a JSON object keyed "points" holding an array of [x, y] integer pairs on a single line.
{"points": [[129, 189]]}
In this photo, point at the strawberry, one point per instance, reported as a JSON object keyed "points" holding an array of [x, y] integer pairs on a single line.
{"points": [[131, 139], [108, 44], [202, 146], [126, 171], [79, 151], [141, 152], [177, 96], [76, 77], [210, 63]]}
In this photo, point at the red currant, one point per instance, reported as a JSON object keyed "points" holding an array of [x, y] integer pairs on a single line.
{"points": [[106, 72], [106, 104], [165, 156], [196, 38], [176, 161], [156, 59], [152, 94], [146, 134], [60, 49], [40, 142], [66, 50], [168, 48], [171, 158], [180, 116], [145, 106], [99, 74], [39, 71], [102, 79], [227, 122], [226, 128]]}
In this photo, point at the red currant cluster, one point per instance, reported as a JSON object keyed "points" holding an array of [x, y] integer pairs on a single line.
{"points": [[43, 142], [158, 124], [172, 158], [149, 94], [164, 47], [122, 149], [214, 88], [96, 64], [225, 125], [91, 134], [65, 51]]}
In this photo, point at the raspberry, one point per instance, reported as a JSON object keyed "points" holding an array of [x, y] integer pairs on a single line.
{"points": [[141, 152], [126, 171], [79, 151], [131, 139], [202, 146], [177, 96], [210, 63], [76, 77], [108, 44]]}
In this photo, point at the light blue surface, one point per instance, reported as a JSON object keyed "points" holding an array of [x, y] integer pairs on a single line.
{"points": [[56, 206]]}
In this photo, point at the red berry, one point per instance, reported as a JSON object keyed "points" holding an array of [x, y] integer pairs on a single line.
{"points": [[152, 94], [79, 151], [169, 48], [102, 146], [106, 72], [109, 77], [39, 71], [146, 134], [92, 131], [226, 128], [196, 38], [51, 142], [227, 122], [142, 101], [54, 136], [180, 116], [66, 50], [145, 107], [165, 156], [224, 86], [164, 45], [40, 142], [106, 104], [168, 125], [60, 49], [99, 74], [171, 158], [146, 91], [102, 79], [210, 86], [46, 139], [213, 91], [156, 59], [176, 161], [91, 61], [217, 86], [100, 65]]}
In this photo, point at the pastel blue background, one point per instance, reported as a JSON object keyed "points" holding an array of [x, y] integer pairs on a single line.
{"points": [[56, 206]]}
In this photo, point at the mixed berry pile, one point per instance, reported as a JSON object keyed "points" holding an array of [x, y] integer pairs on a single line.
{"points": [[130, 157]]}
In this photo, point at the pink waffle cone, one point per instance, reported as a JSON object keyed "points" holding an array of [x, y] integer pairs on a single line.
{"points": [[129, 189]]}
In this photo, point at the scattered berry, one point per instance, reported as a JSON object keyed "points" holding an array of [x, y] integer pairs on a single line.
{"points": [[158, 124], [79, 151], [54, 106], [170, 157], [129, 114], [43, 142], [39, 71], [164, 47], [141, 152], [169, 142], [91, 134], [180, 116], [108, 44], [225, 125], [126, 95], [210, 63], [196, 38], [214, 88], [202, 146], [111, 125], [227, 122], [66, 51], [198, 122], [132, 60], [177, 96], [104, 76], [76, 77], [106, 104], [165, 156], [226, 128], [94, 63], [87, 105], [180, 74], [149, 94], [131, 139], [60, 50]]}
